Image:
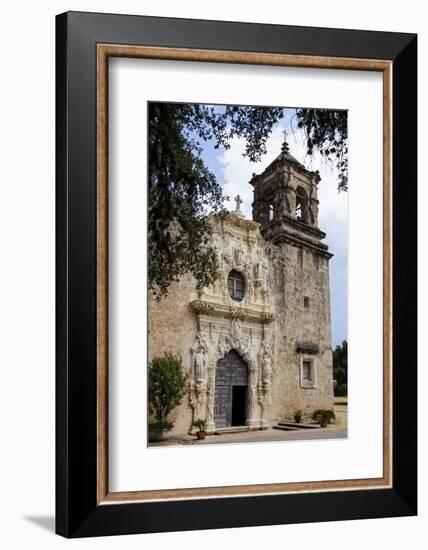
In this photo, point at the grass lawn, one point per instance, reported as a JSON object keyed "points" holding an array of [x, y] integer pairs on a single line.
{"points": [[341, 400]]}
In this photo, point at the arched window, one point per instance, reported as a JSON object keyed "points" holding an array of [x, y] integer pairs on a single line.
{"points": [[301, 205], [236, 285], [270, 212]]}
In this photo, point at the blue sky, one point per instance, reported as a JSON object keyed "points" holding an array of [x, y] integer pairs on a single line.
{"points": [[233, 172]]}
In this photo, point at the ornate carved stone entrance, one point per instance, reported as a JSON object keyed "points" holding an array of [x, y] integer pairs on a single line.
{"points": [[232, 357], [230, 396]]}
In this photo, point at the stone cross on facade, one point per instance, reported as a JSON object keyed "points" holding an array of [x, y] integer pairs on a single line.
{"points": [[238, 201]]}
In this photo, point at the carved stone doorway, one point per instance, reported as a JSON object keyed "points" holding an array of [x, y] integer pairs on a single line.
{"points": [[230, 398]]}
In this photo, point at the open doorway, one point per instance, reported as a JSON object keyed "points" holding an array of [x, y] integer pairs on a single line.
{"points": [[239, 405]]}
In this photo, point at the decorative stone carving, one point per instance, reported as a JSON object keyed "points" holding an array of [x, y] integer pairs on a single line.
{"points": [[264, 401], [238, 313], [239, 326], [250, 289], [210, 399], [268, 317], [261, 276], [197, 400], [254, 419], [239, 257], [201, 306]]}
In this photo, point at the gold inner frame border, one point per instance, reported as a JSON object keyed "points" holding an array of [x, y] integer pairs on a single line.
{"points": [[104, 52]]}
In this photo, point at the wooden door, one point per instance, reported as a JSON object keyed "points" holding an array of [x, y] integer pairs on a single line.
{"points": [[231, 372]]}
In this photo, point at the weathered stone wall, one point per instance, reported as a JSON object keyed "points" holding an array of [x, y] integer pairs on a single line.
{"points": [[301, 273], [172, 329]]}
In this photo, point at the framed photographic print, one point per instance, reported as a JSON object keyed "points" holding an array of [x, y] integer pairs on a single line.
{"points": [[236, 274]]}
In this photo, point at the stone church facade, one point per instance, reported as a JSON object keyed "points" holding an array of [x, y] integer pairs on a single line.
{"points": [[256, 345]]}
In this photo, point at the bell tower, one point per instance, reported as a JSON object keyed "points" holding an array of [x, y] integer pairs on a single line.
{"points": [[286, 202], [286, 207]]}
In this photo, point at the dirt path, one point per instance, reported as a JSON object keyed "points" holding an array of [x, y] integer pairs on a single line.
{"points": [[341, 412]]}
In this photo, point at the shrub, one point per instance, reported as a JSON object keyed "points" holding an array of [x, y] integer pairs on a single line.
{"points": [[166, 388], [326, 413]]}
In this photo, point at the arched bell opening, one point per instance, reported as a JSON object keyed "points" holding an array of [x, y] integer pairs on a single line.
{"points": [[301, 205]]}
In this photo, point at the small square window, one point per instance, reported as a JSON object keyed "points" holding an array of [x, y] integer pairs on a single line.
{"points": [[305, 301]]}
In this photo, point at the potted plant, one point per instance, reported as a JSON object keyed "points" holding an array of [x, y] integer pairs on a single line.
{"points": [[297, 416], [200, 424], [324, 417], [166, 390], [160, 430]]}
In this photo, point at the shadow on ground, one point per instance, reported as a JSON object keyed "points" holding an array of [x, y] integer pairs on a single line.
{"points": [[45, 522]]}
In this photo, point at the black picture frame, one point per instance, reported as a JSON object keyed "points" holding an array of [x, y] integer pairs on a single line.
{"points": [[77, 512]]}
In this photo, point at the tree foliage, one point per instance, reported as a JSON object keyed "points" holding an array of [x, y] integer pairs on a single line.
{"points": [[182, 190], [340, 368], [326, 131], [166, 387]]}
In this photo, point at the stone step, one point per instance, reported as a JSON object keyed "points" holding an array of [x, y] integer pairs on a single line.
{"points": [[300, 425], [232, 430], [286, 428]]}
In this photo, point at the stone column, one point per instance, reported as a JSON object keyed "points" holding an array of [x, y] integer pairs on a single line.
{"points": [[210, 426], [253, 420]]}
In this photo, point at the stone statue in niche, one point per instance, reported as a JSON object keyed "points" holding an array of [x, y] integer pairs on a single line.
{"points": [[261, 272], [267, 364], [200, 355], [236, 327], [217, 243]]}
